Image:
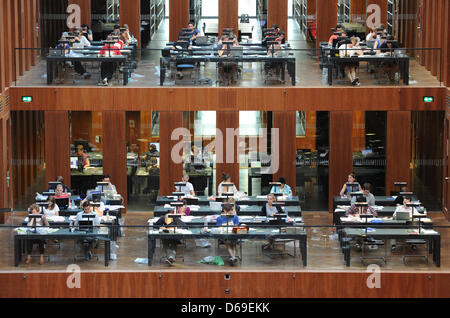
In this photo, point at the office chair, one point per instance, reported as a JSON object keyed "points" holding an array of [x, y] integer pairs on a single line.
{"points": [[410, 244], [283, 252], [190, 69], [371, 242]]}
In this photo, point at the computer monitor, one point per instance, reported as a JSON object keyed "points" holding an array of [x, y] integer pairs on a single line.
{"points": [[74, 162], [86, 224], [63, 203], [183, 44]]}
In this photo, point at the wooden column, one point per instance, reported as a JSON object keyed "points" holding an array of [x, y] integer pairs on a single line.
{"points": [[57, 146], [115, 150], [170, 171], [8, 38], [277, 13], [341, 155], [398, 148], [130, 13], [326, 19], [285, 122], [2, 48], [446, 45], [228, 15], [357, 10], [224, 120], [85, 6], [178, 17], [3, 169]]}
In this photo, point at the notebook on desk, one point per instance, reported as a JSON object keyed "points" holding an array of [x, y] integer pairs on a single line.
{"points": [[403, 216], [199, 40]]}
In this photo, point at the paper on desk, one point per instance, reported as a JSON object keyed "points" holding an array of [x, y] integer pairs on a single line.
{"points": [[261, 196], [423, 231], [114, 207], [56, 218], [378, 207], [186, 218]]}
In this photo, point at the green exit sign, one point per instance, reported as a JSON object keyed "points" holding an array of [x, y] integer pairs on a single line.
{"points": [[428, 99], [27, 99]]}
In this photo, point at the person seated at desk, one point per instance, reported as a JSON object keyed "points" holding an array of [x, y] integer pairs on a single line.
{"points": [[52, 208], [193, 32], [349, 49], [80, 38], [399, 199], [272, 50], [346, 189], [188, 189], [372, 35], [236, 207], [365, 197], [60, 194], [283, 188], [107, 68], [226, 189], [110, 186], [61, 180], [169, 245], [338, 29], [80, 152], [87, 32], [402, 208], [231, 244], [35, 210], [87, 243], [387, 48], [269, 209], [183, 210], [227, 70], [116, 30]]}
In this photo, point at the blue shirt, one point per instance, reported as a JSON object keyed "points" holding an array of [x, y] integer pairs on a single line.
{"points": [[286, 190], [221, 220]]}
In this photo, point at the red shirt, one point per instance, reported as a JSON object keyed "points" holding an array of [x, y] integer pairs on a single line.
{"points": [[113, 50]]}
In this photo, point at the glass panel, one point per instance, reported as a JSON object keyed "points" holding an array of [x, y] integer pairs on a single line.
{"points": [[254, 146], [86, 151], [199, 159], [312, 144], [427, 153], [28, 157], [143, 159], [369, 157]]}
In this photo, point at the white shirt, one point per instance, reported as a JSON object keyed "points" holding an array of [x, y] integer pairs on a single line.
{"points": [[51, 212], [221, 189], [346, 50], [84, 41], [96, 221], [186, 189]]}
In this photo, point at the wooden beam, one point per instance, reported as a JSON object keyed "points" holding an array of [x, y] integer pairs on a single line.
{"points": [[170, 171], [228, 15], [285, 122], [57, 146], [178, 17], [277, 13], [398, 148], [114, 150], [341, 153], [130, 13]]}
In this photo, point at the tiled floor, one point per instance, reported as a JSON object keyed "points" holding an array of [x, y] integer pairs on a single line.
{"points": [[308, 72]]}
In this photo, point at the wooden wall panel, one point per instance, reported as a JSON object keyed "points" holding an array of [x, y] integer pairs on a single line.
{"points": [[277, 13], [244, 284], [341, 155], [130, 12], [57, 147], [170, 171], [114, 150], [228, 15], [446, 44], [2, 48], [358, 10], [230, 99], [85, 6], [326, 19], [383, 7], [8, 38], [224, 120], [178, 17], [286, 124], [398, 148]]}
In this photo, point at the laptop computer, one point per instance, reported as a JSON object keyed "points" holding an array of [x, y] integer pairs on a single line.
{"points": [[78, 46], [200, 40], [237, 51], [403, 216]]}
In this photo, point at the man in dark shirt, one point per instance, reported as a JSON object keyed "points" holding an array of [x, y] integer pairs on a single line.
{"points": [[169, 245]]}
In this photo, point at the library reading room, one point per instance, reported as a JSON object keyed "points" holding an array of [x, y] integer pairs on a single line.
{"points": [[220, 149]]}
